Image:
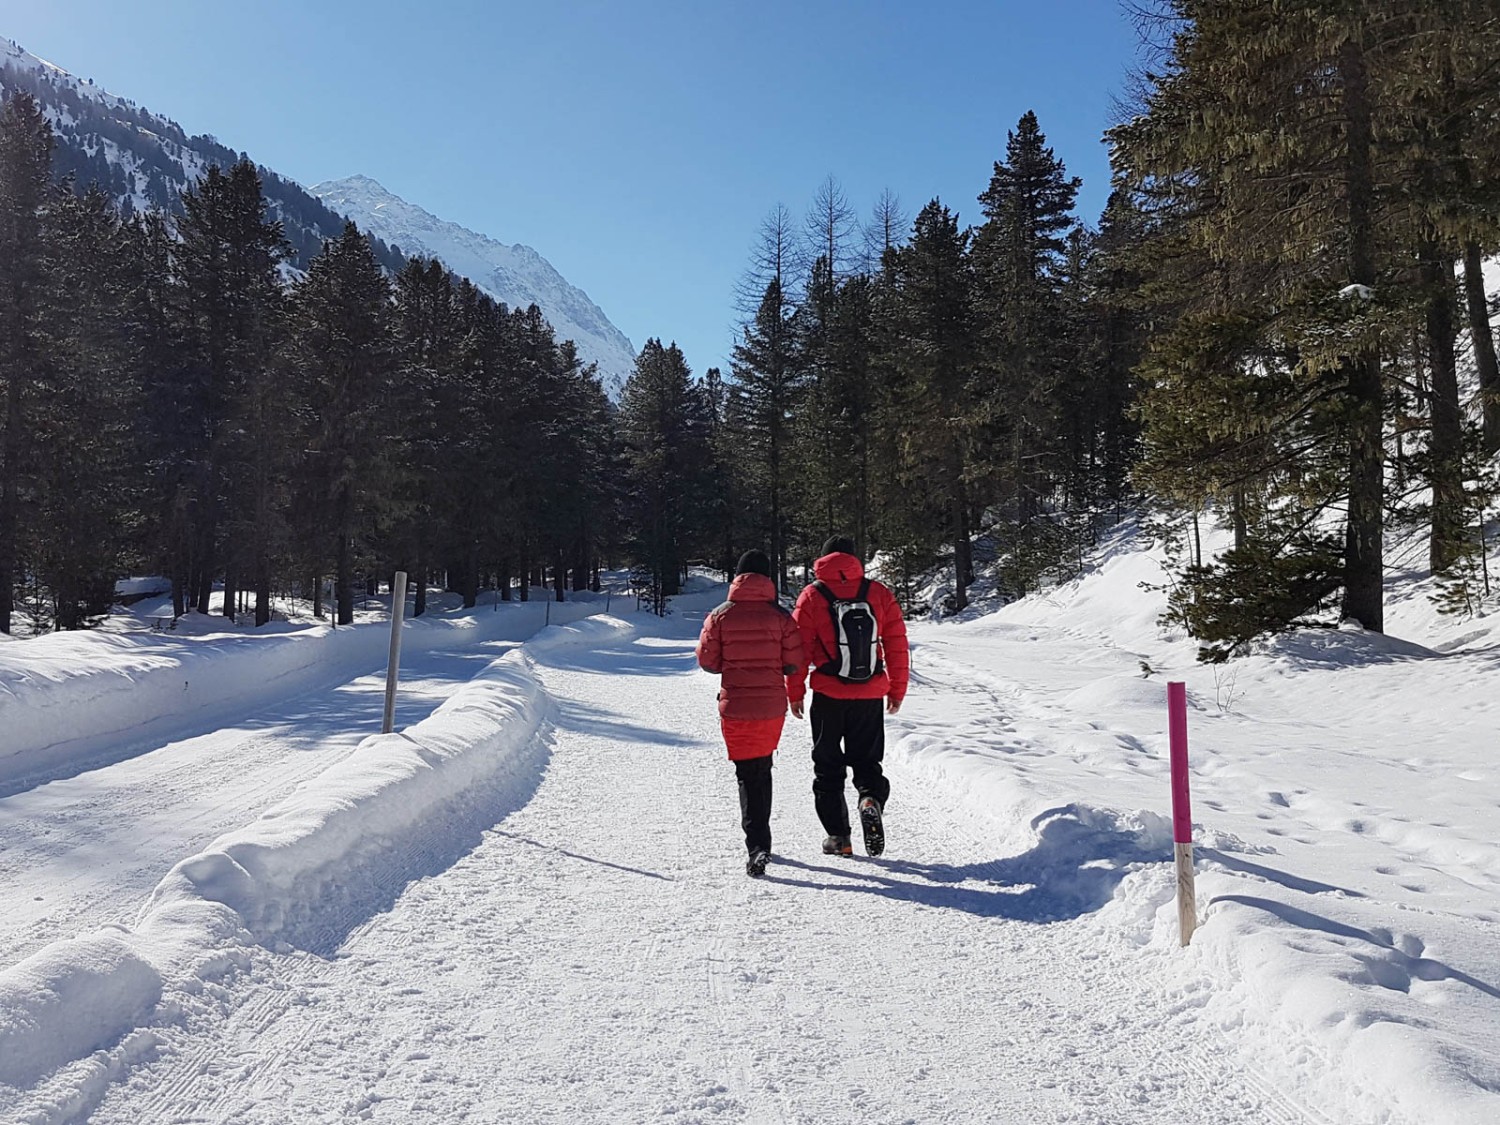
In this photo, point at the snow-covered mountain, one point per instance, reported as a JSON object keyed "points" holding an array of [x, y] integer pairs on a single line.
{"points": [[144, 160], [517, 274]]}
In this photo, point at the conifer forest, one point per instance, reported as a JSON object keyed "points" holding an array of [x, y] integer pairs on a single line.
{"points": [[1278, 326]]}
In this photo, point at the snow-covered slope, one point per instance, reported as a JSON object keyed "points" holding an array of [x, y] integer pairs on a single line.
{"points": [[144, 160], [517, 274]]}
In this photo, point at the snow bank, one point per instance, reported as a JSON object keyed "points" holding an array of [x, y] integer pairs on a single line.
{"points": [[69, 696], [69, 999], [333, 849], [1343, 786]]}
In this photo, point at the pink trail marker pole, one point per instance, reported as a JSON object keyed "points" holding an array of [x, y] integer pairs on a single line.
{"points": [[1182, 813]]}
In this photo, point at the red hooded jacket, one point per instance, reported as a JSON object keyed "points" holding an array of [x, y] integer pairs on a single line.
{"points": [[752, 641], [842, 573]]}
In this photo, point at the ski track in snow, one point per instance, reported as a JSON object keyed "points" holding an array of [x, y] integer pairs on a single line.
{"points": [[599, 955]]}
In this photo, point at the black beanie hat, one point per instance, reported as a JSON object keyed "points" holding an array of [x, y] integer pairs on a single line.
{"points": [[839, 544], [754, 562]]}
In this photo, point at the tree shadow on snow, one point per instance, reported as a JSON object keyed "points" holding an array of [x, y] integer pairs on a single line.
{"points": [[634, 660], [585, 858], [1275, 875], [1073, 869], [584, 719]]}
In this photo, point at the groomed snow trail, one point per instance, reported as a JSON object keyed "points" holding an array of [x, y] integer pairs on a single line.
{"points": [[599, 955], [83, 851]]}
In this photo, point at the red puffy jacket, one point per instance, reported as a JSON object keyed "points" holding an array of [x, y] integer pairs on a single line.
{"points": [[752, 641], [842, 574]]}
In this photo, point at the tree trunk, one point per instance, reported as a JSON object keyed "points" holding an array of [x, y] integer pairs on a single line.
{"points": [[9, 502], [471, 576], [262, 593], [1448, 518], [205, 566], [1484, 346], [231, 578], [1364, 558], [343, 560], [419, 577], [963, 551], [343, 582]]}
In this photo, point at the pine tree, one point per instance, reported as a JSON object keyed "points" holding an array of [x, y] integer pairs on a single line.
{"points": [[88, 483], [25, 171], [770, 373], [226, 266], [1019, 255], [934, 354], [346, 362], [1268, 120], [664, 427]]}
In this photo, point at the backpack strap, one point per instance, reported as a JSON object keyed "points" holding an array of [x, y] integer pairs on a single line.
{"points": [[864, 591], [830, 665]]}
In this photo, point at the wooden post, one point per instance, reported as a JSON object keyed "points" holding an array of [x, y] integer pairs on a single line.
{"points": [[1182, 815], [393, 665]]}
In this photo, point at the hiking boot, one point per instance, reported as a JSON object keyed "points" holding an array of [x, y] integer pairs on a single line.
{"points": [[874, 827], [838, 845], [755, 866]]}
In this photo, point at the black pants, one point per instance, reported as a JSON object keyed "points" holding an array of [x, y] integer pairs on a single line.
{"points": [[754, 776], [847, 733]]}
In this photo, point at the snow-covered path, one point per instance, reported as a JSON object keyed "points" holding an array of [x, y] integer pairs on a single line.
{"points": [[597, 954], [86, 849]]}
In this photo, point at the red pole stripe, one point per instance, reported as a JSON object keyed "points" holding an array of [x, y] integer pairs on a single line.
{"points": [[1182, 813]]}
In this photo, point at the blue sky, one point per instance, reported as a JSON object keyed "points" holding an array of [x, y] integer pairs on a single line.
{"points": [[636, 144]]}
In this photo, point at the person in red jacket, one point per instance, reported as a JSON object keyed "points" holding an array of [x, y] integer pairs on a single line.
{"points": [[753, 643], [854, 635]]}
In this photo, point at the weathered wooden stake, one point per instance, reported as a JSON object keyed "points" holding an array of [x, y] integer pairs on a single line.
{"points": [[393, 665], [1182, 813]]}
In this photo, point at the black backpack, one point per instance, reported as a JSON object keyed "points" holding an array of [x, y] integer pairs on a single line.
{"points": [[856, 634]]}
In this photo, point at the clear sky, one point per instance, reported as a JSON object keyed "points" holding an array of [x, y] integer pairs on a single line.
{"points": [[635, 144]]}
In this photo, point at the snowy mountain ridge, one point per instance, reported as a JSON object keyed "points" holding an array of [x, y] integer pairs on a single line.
{"points": [[515, 274], [145, 160]]}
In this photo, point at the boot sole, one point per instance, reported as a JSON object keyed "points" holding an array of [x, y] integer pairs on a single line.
{"points": [[873, 824]]}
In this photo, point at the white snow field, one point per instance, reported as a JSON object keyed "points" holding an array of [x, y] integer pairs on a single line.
{"points": [[530, 906]]}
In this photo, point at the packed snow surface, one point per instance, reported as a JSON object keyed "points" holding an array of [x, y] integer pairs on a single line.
{"points": [[529, 905]]}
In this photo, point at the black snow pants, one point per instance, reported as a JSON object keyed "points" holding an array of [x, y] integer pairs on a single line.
{"points": [[754, 775], [847, 734]]}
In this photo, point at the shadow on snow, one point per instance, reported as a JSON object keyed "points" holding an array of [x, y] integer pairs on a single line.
{"points": [[1073, 869]]}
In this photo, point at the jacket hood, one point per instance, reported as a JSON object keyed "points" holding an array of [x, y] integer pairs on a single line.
{"points": [[838, 569], [752, 588]]}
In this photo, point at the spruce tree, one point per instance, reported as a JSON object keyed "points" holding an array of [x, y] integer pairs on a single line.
{"points": [[227, 259], [934, 353], [1019, 254], [345, 360], [88, 480], [770, 373], [664, 435], [25, 170]]}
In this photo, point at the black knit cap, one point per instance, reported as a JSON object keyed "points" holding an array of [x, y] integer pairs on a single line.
{"points": [[839, 544], [754, 562]]}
